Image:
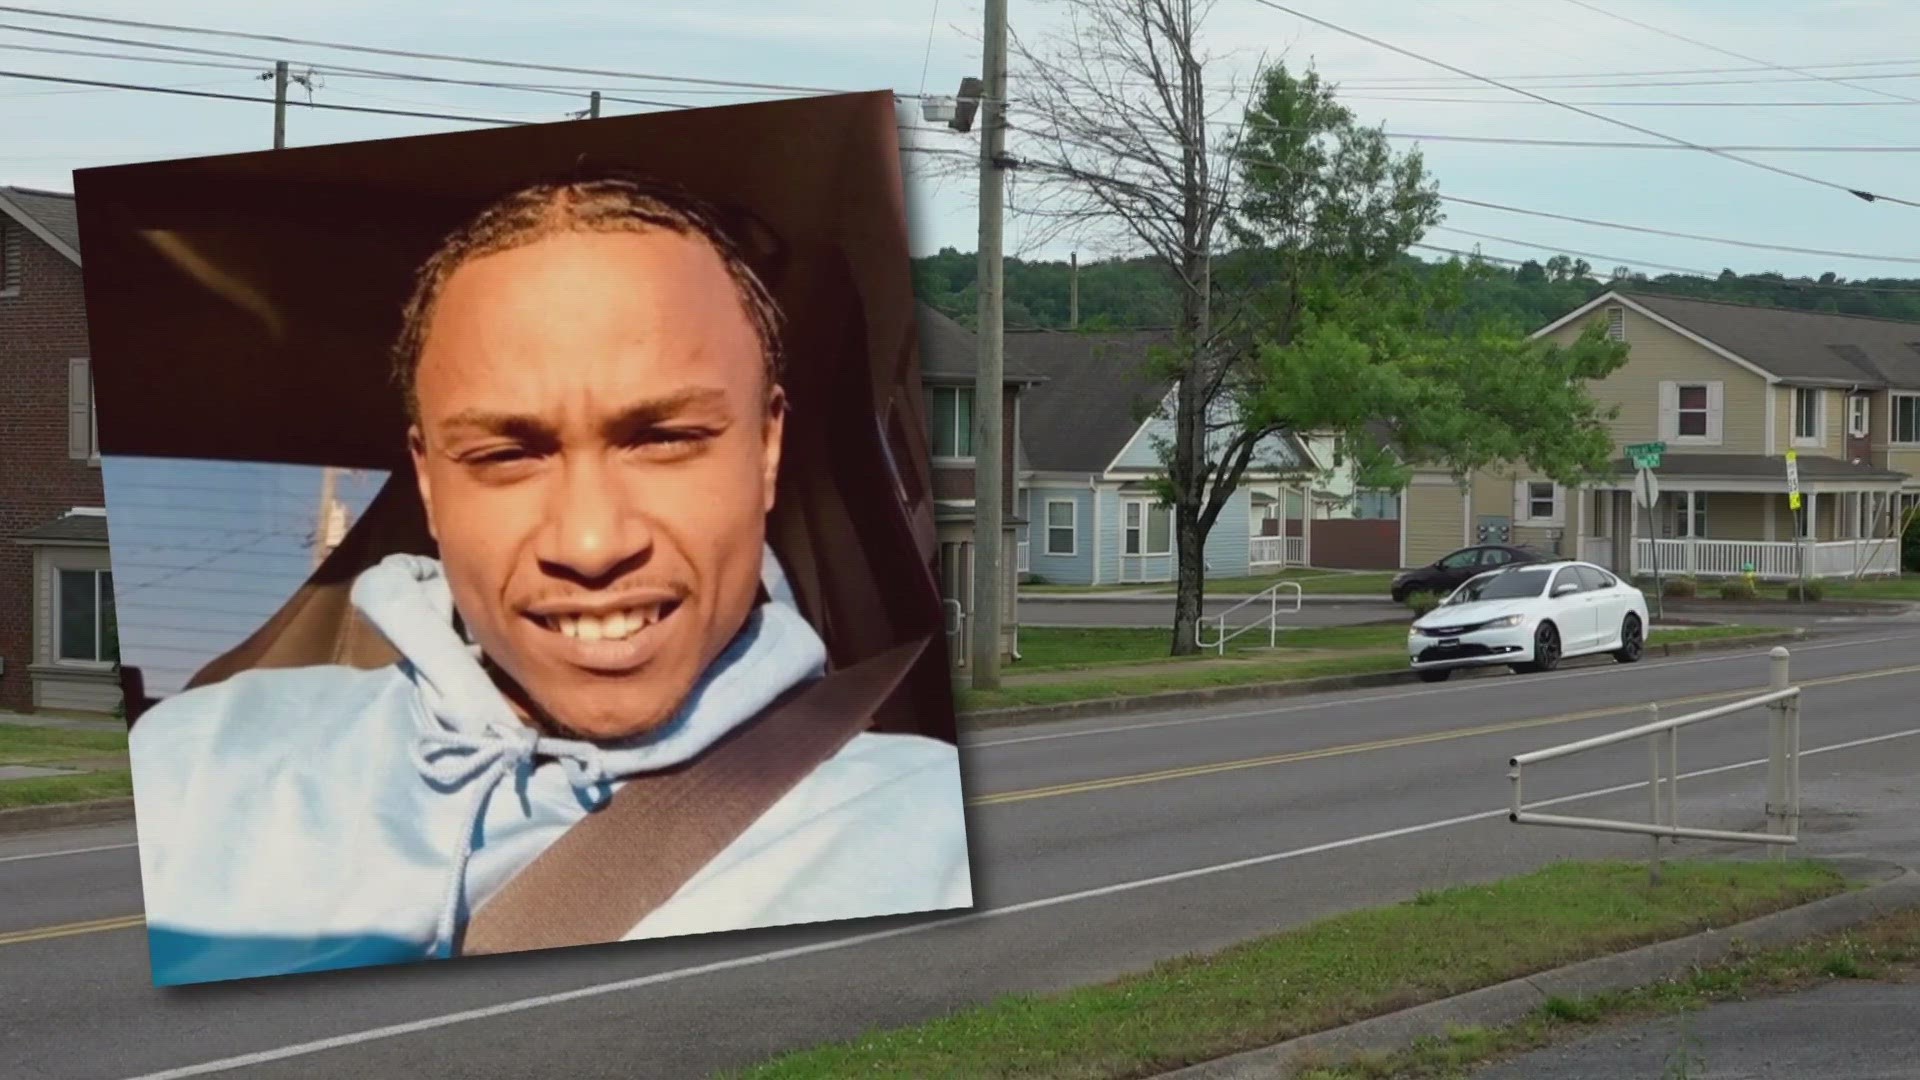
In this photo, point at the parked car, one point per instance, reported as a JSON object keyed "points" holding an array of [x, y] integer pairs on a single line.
{"points": [[1530, 616], [1449, 573]]}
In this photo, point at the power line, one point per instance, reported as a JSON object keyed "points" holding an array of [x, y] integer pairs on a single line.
{"points": [[1663, 32], [1856, 192], [280, 39], [1569, 251], [1645, 73], [1577, 106], [1784, 283], [1681, 235], [260, 100], [1645, 84]]}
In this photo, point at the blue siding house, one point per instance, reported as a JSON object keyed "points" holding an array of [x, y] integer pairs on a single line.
{"points": [[1090, 437]]}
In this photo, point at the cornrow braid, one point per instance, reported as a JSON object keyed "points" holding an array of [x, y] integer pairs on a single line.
{"points": [[608, 203]]}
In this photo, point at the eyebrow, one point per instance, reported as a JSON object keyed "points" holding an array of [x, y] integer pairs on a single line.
{"points": [[637, 416]]}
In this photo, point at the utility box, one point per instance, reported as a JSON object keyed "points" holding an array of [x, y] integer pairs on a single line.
{"points": [[1494, 530]]}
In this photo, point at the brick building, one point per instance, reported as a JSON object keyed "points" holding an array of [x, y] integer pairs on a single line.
{"points": [[58, 642]]}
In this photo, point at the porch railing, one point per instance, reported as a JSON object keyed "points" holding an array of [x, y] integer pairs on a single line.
{"points": [[1266, 551], [1769, 558], [1296, 551]]}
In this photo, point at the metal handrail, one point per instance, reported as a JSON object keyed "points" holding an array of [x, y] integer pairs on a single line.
{"points": [[1272, 595], [1783, 773]]}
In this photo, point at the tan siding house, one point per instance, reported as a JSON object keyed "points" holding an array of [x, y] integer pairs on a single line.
{"points": [[1730, 389]]}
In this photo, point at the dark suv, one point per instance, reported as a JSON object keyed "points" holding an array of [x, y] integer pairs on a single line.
{"points": [[1451, 572]]}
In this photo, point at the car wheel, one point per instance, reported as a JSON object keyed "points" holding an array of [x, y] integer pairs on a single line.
{"points": [[1399, 596], [1436, 675], [1632, 641], [1546, 650]]}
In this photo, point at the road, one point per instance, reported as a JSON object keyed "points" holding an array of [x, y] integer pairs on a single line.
{"points": [[1049, 610], [1101, 846]]}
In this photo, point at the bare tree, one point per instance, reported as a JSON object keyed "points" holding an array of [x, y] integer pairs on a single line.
{"points": [[1118, 131]]}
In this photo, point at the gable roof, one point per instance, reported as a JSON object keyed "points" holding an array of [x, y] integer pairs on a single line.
{"points": [[950, 352], [50, 215], [1790, 344], [1091, 404]]}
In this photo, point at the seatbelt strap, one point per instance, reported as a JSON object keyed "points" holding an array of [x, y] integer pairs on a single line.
{"points": [[613, 868]]}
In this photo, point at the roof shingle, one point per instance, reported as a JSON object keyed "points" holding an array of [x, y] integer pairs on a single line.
{"points": [[1091, 404], [1802, 345], [53, 212]]}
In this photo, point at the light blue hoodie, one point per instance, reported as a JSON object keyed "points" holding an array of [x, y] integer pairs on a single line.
{"points": [[304, 819]]}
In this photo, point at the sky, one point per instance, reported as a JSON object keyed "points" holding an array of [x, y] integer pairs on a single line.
{"points": [[203, 551], [1557, 48]]}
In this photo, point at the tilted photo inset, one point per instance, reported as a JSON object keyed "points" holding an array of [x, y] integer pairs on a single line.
{"points": [[523, 539]]}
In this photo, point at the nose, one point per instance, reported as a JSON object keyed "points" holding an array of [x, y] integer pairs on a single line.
{"points": [[591, 532]]}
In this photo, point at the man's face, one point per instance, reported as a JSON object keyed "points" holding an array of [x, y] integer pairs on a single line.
{"points": [[597, 450]]}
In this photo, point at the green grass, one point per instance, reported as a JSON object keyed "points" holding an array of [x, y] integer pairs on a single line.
{"points": [[1875, 950], [21, 744], [1312, 582], [80, 787], [1057, 648], [1321, 975], [1361, 646]]}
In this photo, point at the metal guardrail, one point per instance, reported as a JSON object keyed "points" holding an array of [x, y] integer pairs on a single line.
{"points": [[1272, 596], [1783, 773]]}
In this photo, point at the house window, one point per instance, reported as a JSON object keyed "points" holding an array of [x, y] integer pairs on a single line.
{"points": [[1693, 411], [87, 630], [951, 411], [1060, 526], [1540, 500], [1685, 514], [1906, 418], [1857, 416], [1806, 414], [1376, 505], [1617, 323], [1149, 528]]}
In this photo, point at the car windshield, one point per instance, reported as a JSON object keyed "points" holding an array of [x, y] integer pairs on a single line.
{"points": [[1504, 585]]}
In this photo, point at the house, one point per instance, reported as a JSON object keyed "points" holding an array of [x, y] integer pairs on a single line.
{"points": [[1091, 435], [1730, 389], [949, 368], [1351, 528], [58, 639]]}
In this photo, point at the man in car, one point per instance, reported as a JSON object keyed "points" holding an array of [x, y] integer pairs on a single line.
{"points": [[592, 374]]}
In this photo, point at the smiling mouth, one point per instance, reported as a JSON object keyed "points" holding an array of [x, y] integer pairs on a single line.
{"points": [[612, 626]]}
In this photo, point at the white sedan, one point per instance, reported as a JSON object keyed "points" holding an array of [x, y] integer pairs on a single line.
{"points": [[1530, 617]]}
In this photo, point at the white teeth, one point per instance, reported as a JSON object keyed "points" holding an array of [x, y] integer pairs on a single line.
{"points": [[617, 626]]}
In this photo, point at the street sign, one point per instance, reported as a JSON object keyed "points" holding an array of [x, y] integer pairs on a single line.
{"points": [[1646, 489], [1793, 479], [1646, 455]]}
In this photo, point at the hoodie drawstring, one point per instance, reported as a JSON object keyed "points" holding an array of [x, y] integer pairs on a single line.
{"points": [[491, 756]]}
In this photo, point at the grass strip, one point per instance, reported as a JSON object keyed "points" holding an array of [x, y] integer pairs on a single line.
{"points": [[79, 787], [23, 744], [1321, 975], [1883, 948]]}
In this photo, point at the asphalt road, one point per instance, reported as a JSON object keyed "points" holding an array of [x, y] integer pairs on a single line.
{"points": [[1100, 845], [1158, 612]]}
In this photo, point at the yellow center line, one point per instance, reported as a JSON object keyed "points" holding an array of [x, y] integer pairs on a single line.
{"points": [[95, 926], [1186, 772], [127, 922]]}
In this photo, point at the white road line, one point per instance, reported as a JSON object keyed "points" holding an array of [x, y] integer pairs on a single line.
{"points": [[1400, 695], [68, 851], [505, 1008]]}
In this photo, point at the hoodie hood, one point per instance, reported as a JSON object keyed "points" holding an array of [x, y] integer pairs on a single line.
{"points": [[468, 736]]}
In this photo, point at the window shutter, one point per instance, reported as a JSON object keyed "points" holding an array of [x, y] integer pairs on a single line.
{"points": [[1520, 506], [1716, 404], [1559, 505], [79, 410], [1669, 411]]}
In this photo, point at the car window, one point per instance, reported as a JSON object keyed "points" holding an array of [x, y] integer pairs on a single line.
{"points": [[1595, 578], [1502, 585], [1569, 575], [1494, 557], [1460, 560]]}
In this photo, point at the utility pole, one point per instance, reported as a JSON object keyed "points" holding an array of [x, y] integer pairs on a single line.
{"points": [[1073, 293], [988, 486], [593, 106], [280, 105]]}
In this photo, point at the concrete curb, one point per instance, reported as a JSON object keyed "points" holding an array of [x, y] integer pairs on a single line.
{"points": [[1897, 889], [65, 815], [1224, 695]]}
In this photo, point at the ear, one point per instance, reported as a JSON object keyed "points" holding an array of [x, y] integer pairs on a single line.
{"points": [[417, 449], [773, 431]]}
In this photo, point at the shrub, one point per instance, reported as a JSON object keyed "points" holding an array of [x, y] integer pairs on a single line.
{"points": [[1679, 588], [1423, 602], [1737, 589], [1811, 591]]}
